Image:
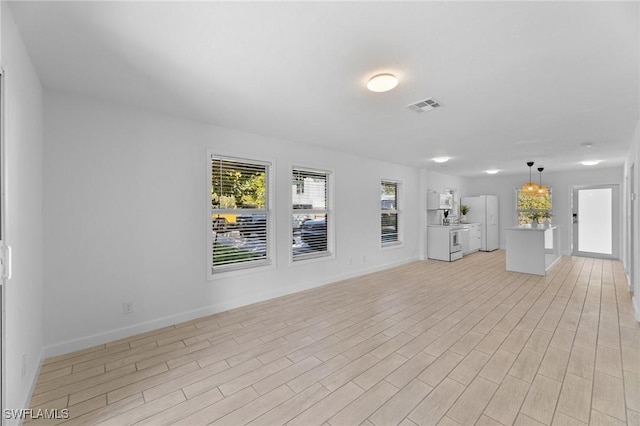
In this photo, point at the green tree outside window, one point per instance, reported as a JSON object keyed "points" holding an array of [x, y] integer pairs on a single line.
{"points": [[531, 207]]}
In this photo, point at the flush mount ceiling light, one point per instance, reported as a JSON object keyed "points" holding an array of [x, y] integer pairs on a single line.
{"points": [[590, 162], [382, 82], [586, 145], [441, 159], [491, 171], [530, 188]]}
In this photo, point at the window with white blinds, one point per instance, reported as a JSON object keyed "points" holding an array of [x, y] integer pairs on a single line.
{"points": [[389, 213], [311, 214], [240, 213]]}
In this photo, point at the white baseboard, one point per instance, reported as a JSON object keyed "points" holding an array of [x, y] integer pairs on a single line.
{"points": [[26, 399], [154, 324]]}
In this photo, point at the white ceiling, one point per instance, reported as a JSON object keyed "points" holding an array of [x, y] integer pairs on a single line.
{"points": [[519, 81]]}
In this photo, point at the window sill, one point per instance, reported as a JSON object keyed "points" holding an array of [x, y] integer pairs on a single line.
{"points": [[312, 259], [214, 276], [391, 246]]}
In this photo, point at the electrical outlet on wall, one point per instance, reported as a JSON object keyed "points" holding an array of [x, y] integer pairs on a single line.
{"points": [[127, 307]]}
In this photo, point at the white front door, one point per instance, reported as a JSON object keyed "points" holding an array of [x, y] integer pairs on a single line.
{"points": [[595, 221]]}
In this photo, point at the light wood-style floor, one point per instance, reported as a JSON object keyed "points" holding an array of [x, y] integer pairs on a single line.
{"points": [[426, 343]]}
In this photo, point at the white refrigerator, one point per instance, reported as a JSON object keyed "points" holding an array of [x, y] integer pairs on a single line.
{"points": [[484, 209]]}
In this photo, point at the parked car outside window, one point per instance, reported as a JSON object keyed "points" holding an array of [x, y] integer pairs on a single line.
{"points": [[252, 225], [314, 234]]}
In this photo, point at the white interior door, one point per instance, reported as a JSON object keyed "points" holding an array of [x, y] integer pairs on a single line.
{"points": [[595, 221]]}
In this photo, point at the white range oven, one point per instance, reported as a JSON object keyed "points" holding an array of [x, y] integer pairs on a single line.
{"points": [[455, 242], [444, 242]]}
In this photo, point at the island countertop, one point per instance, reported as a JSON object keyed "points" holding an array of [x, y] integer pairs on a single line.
{"points": [[528, 228]]}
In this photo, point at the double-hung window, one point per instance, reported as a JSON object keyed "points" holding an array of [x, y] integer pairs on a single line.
{"points": [[533, 207], [240, 213], [311, 215], [389, 213]]}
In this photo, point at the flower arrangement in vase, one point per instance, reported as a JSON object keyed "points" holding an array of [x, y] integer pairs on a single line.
{"points": [[540, 219], [545, 219]]}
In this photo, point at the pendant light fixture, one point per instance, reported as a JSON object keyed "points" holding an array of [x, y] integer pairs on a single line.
{"points": [[530, 188], [542, 189]]}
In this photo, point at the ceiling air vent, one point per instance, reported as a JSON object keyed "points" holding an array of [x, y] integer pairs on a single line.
{"points": [[424, 105]]}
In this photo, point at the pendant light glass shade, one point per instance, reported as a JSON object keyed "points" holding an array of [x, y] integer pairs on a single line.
{"points": [[530, 188], [542, 189]]}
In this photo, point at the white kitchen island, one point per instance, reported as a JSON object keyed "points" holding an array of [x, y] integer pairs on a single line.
{"points": [[532, 250]]}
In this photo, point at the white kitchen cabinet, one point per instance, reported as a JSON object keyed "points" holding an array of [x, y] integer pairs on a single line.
{"points": [[464, 239], [433, 200], [438, 201], [473, 237]]}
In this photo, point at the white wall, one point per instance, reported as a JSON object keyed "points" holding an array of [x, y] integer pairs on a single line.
{"points": [[126, 219], [24, 218], [561, 183]]}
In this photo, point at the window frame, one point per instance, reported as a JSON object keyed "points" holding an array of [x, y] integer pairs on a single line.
{"points": [[328, 211], [269, 210], [397, 211]]}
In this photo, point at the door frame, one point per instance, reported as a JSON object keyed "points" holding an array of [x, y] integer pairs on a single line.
{"points": [[615, 220], [631, 255], [4, 253]]}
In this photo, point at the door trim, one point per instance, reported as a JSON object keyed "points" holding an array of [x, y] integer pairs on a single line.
{"points": [[631, 227], [3, 248]]}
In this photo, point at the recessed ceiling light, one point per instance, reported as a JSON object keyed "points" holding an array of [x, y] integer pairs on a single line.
{"points": [[382, 82], [590, 162], [441, 159], [586, 145], [491, 171]]}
